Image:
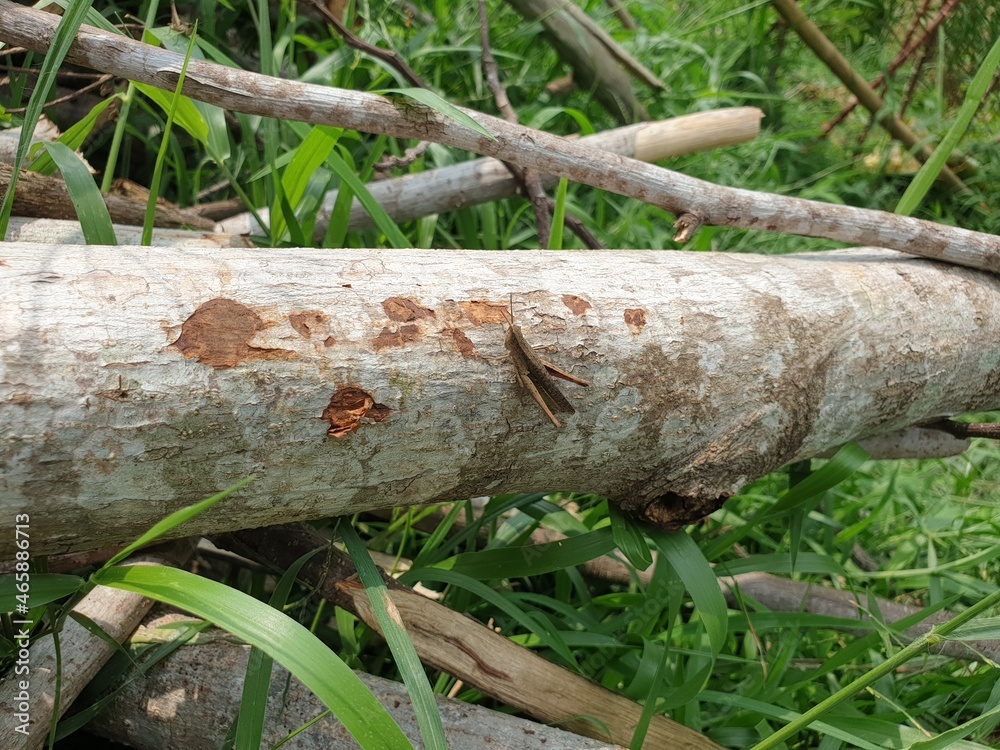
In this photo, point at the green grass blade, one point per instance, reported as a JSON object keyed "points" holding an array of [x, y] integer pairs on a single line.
{"points": [[253, 702], [532, 559], [846, 461], [61, 42], [154, 185], [629, 538], [91, 211], [175, 519], [929, 172], [285, 640], [441, 106], [43, 588], [394, 631], [547, 635], [558, 216], [73, 138], [307, 158], [386, 225], [184, 112], [687, 560]]}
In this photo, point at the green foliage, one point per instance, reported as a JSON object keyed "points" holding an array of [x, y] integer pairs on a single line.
{"points": [[740, 673]]}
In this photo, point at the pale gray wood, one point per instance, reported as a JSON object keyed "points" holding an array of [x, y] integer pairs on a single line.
{"points": [[173, 707], [744, 363]]}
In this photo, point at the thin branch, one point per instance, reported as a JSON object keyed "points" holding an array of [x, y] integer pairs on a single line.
{"points": [[354, 41], [409, 156], [841, 67], [253, 93], [467, 649], [101, 80], [990, 430], [909, 46], [530, 179]]}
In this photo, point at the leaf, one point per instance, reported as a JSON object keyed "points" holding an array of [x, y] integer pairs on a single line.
{"points": [[441, 106], [974, 96], [531, 559], [253, 701], [683, 555], [274, 633], [174, 520], [91, 211], [529, 621], [394, 631], [41, 587], [629, 538], [186, 116], [385, 224], [306, 159], [74, 137]]}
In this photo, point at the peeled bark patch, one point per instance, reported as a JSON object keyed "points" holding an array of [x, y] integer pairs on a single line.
{"points": [[218, 334], [480, 312], [404, 310], [462, 342], [308, 322], [576, 305], [635, 319], [388, 337], [348, 406]]}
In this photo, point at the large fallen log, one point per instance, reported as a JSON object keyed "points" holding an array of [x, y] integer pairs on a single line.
{"points": [[137, 380]]}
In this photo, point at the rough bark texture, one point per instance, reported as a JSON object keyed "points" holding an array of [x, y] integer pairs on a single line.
{"points": [[137, 380], [47, 197], [190, 699]]}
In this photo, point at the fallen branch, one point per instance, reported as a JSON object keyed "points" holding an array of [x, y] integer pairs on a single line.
{"points": [[471, 183], [863, 92], [207, 679], [595, 67], [709, 204], [142, 379], [44, 197], [783, 595], [466, 649]]}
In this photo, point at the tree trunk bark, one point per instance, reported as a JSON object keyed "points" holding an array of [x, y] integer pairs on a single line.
{"points": [[137, 380]]}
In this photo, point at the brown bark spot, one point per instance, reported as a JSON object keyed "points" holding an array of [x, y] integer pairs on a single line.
{"points": [[462, 342], [308, 322], [387, 338], [348, 406], [329, 341], [218, 334], [480, 312], [576, 305], [635, 319], [403, 310]]}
